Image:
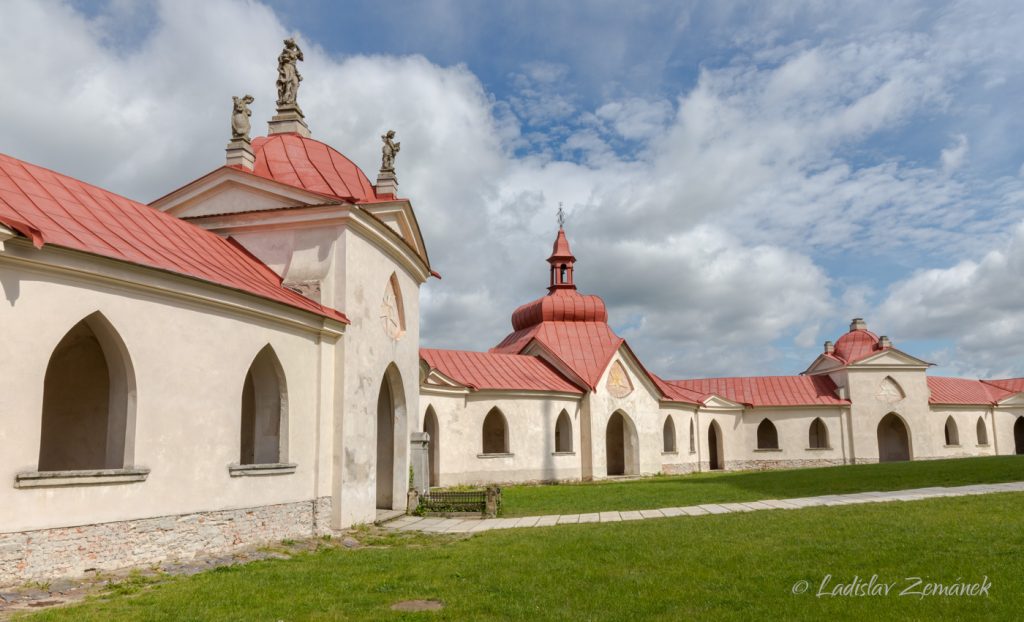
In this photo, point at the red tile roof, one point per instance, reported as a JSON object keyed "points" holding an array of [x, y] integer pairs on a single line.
{"points": [[767, 390], [489, 370], [50, 208], [964, 391], [1014, 385], [313, 166]]}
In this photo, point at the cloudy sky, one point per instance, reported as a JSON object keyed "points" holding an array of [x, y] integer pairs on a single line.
{"points": [[741, 178]]}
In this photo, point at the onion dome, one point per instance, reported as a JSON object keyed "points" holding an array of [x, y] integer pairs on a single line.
{"points": [[563, 303], [561, 306]]}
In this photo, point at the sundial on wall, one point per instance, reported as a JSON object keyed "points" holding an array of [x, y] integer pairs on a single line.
{"points": [[618, 383]]}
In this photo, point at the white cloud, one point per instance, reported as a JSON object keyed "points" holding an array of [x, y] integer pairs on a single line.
{"points": [[707, 240], [636, 118], [978, 304], [954, 156]]}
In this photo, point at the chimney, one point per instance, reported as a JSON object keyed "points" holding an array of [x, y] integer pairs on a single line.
{"points": [[858, 323], [883, 342], [829, 347]]}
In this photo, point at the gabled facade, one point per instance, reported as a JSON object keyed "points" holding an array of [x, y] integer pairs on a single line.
{"points": [[233, 364]]}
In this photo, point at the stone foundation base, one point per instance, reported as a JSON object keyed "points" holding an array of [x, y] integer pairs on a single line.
{"points": [[679, 469], [765, 465], [71, 551]]}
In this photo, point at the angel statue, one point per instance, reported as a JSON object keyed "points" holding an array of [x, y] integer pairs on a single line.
{"points": [[240, 114], [288, 76], [388, 151]]}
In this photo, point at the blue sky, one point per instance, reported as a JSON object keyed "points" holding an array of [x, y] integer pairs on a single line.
{"points": [[741, 178]]}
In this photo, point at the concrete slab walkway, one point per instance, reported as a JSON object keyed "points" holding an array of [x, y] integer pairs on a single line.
{"points": [[476, 525]]}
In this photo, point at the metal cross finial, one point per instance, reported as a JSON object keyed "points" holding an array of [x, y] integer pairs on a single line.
{"points": [[561, 215]]}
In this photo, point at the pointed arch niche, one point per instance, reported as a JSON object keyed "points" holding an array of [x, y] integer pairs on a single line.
{"points": [[668, 436], [264, 438], [563, 433], [87, 431], [890, 391]]}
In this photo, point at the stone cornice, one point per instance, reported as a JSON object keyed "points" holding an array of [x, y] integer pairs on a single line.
{"points": [[90, 268]]}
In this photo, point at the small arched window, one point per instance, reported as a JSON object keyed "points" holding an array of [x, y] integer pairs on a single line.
{"points": [[817, 436], [952, 434], [562, 273], [693, 440], [767, 435], [668, 434], [563, 433], [982, 432], [264, 411], [495, 433], [88, 401]]}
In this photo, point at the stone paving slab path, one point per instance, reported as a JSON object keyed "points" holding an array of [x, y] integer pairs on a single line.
{"points": [[474, 525]]}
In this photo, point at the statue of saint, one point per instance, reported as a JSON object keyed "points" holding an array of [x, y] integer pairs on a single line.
{"points": [[288, 76], [388, 151], [240, 114]]}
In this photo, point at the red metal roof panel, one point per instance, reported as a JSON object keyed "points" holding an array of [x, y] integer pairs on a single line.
{"points": [[965, 391], [766, 390], [491, 370], [51, 208]]}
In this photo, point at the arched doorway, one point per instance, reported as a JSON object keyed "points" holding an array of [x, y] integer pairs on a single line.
{"points": [[893, 439], [621, 446], [716, 458], [430, 427], [1018, 435], [390, 431]]}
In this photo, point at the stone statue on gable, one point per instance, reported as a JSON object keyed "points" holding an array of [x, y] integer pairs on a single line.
{"points": [[288, 76], [389, 151], [240, 114]]}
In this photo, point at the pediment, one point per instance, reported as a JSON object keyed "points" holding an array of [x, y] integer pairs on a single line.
{"points": [[890, 358], [716, 401], [399, 217], [437, 379], [231, 191], [1017, 399], [624, 372], [823, 365]]}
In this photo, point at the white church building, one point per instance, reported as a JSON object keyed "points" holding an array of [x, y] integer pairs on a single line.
{"points": [[239, 362], [563, 397]]}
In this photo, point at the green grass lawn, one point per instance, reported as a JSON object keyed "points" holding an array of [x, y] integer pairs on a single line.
{"points": [[682, 490], [733, 566]]}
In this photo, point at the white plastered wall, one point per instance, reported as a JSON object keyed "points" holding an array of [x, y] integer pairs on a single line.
{"points": [[190, 360], [868, 408], [369, 351], [531, 419], [647, 415], [966, 420], [793, 427]]}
